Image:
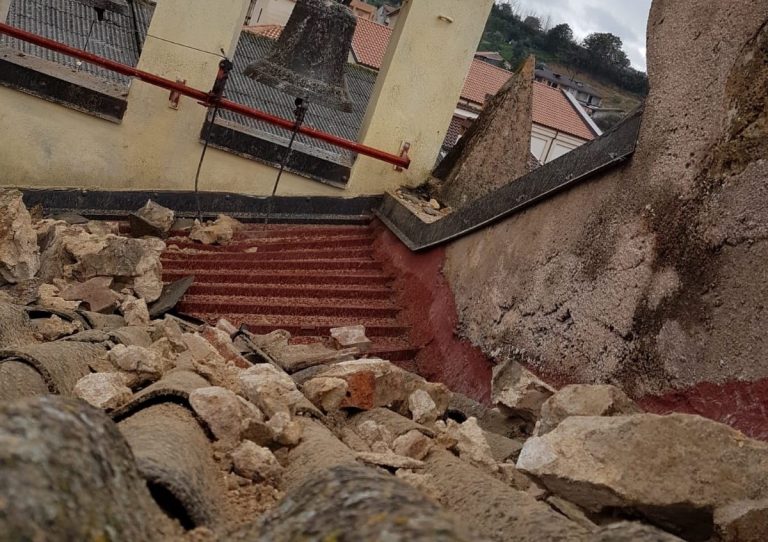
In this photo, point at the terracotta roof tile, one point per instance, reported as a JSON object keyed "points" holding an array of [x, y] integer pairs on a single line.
{"points": [[482, 80], [370, 42], [550, 106], [271, 31], [552, 109]]}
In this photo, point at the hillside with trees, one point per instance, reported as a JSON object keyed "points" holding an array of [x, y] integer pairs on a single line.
{"points": [[600, 55], [598, 60]]}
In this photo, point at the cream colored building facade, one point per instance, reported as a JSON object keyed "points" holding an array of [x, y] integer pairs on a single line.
{"points": [[156, 147]]}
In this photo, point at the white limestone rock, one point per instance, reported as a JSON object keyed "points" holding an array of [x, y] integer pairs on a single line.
{"points": [[103, 390], [412, 444], [256, 463], [19, 252], [326, 394], [422, 406], [584, 400], [518, 391], [674, 470], [222, 412]]}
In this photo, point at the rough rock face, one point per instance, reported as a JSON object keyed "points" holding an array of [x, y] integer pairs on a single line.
{"points": [[648, 274], [221, 410], [392, 510], [496, 147], [256, 463], [220, 231], [19, 253], [103, 390], [584, 400], [519, 391], [743, 521], [70, 472], [675, 470], [156, 217]]}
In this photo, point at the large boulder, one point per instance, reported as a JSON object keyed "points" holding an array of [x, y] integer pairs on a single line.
{"points": [[584, 400], [19, 253], [674, 470]]}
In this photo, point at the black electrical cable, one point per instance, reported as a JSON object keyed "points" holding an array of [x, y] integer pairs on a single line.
{"points": [[300, 113]]}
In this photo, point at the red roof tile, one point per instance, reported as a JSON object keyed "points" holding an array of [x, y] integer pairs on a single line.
{"points": [[369, 44], [550, 106], [271, 31], [483, 80]]}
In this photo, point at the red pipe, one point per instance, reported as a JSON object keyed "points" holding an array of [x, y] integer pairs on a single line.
{"points": [[204, 98]]}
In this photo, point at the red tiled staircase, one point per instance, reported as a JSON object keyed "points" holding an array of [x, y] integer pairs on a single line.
{"points": [[304, 279]]}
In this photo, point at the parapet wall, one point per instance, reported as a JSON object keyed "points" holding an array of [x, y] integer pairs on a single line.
{"points": [[652, 276]]}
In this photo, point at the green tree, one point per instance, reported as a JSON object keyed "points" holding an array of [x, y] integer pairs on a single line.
{"points": [[606, 49], [560, 38]]}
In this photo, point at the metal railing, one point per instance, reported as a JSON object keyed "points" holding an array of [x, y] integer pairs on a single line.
{"points": [[208, 99]]}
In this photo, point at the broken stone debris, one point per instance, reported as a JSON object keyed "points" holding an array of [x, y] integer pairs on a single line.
{"points": [[103, 390], [152, 219], [251, 414], [248, 419], [351, 337], [256, 463], [673, 470], [583, 400], [19, 253], [518, 391], [219, 232]]}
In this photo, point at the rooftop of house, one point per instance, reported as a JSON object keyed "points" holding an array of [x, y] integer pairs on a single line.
{"points": [[550, 109], [490, 55], [544, 72], [358, 5]]}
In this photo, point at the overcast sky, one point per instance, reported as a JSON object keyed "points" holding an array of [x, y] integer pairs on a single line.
{"points": [[625, 18]]}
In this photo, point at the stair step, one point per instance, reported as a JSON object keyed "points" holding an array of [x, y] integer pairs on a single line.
{"points": [[276, 245], [304, 277], [330, 264], [277, 291], [389, 348], [308, 325], [283, 255], [298, 307]]}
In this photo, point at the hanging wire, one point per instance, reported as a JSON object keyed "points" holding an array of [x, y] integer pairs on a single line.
{"points": [[300, 113]]}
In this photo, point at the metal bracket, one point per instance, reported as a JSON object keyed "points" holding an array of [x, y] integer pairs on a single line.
{"points": [[175, 96], [404, 150]]}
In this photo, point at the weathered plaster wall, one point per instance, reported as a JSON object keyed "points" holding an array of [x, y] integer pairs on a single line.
{"points": [[155, 147], [158, 148], [496, 147], [652, 276]]}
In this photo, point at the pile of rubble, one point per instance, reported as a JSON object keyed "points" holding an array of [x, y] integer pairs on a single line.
{"points": [[124, 427]]}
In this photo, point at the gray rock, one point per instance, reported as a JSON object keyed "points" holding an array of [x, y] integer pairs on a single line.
{"points": [[153, 219], [518, 391], [584, 400], [19, 253], [742, 521], [674, 470]]}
